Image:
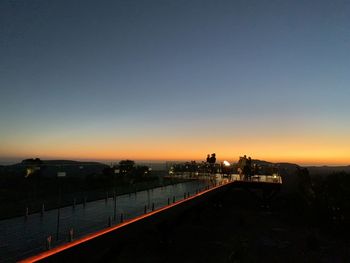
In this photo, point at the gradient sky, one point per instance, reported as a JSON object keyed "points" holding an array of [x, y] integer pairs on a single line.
{"points": [[157, 80]]}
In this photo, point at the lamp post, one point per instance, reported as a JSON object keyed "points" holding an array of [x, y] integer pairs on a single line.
{"points": [[59, 175], [148, 199], [116, 171], [29, 171]]}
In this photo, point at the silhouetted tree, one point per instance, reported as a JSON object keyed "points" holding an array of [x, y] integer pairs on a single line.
{"points": [[305, 185], [108, 174], [126, 166], [141, 171]]}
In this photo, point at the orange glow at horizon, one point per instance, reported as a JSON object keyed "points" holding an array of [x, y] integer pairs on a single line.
{"points": [[303, 151]]}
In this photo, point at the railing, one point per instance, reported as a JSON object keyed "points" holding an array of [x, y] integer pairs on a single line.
{"points": [[31, 234], [22, 237]]}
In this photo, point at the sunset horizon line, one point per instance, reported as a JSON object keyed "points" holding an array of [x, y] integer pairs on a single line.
{"points": [[16, 159]]}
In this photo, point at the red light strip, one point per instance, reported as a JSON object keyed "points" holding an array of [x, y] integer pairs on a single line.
{"points": [[88, 237]]}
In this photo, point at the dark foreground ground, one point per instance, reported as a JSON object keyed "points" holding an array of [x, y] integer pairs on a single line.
{"points": [[234, 227]]}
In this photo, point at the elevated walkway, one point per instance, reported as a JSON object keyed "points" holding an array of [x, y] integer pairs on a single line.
{"points": [[92, 247]]}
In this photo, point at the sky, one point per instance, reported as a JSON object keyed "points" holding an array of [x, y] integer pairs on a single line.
{"points": [[175, 80]]}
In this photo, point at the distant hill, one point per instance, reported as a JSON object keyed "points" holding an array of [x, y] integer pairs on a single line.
{"points": [[291, 168], [326, 170], [58, 162], [50, 168], [283, 168]]}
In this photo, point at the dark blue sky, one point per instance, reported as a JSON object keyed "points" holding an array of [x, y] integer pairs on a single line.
{"points": [[108, 79]]}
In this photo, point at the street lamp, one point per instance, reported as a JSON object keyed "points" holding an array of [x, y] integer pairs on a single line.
{"points": [[59, 175], [116, 171]]}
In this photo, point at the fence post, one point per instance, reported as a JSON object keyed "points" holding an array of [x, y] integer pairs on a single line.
{"points": [[42, 210], [48, 242], [115, 206], [26, 213], [71, 234]]}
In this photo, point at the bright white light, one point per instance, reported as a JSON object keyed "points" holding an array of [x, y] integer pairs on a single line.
{"points": [[226, 163], [29, 172]]}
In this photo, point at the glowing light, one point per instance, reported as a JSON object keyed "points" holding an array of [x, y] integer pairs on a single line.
{"points": [[226, 163], [30, 171]]}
